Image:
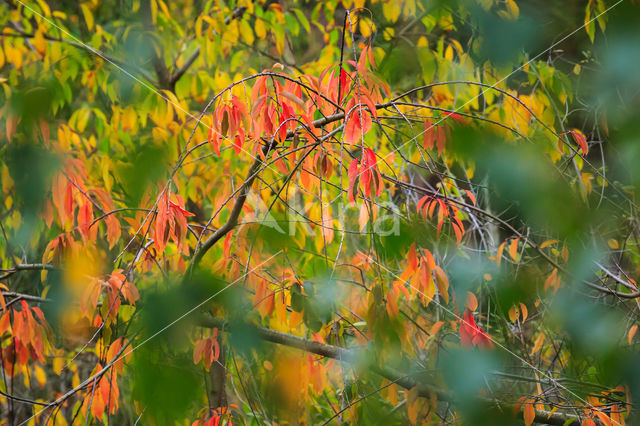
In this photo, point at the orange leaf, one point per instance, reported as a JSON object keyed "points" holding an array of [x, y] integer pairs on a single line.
{"points": [[602, 417], [632, 333], [513, 249], [443, 284], [471, 196], [523, 311], [617, 415], [472, 301], [548, 243], [529, 413], [392, 306], [11, 125], [499, 254], [435, 328]]}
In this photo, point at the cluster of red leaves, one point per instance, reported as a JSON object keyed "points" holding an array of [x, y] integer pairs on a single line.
{"points": [[421, 270], [103, 393], [216, 418], [427, 206], [207, 350], [264, 298], [59, 248], [74, 205], [471, 334], [437, 133], [29, 336], [171, 222], [364, 172], [276, 108], [69, 192], [116, 285], [228, 119]]}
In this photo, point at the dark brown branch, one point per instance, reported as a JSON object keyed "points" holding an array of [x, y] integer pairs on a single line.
{"points": [[350, 356], [243, 192], [180, 72]]}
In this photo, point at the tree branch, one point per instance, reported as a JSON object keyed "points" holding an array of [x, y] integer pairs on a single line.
{"points": [[235, 211], [180, 72], [351, 356]]}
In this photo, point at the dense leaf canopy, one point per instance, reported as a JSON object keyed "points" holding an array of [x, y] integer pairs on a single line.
{"points": [[347, 211]]}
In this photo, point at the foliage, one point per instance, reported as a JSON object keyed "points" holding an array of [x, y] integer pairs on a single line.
{"points": [[343, 211]]}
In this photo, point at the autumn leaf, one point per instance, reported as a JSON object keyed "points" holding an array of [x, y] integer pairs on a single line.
{"points": [[581, 140], [357, 124], [529, 412]]}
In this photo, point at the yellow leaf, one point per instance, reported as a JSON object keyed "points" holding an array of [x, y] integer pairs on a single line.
{"points": [[513, 313], [260, 29], [512, 8], [613, 244], [39, 42], [41, 377], [165, 9], [246, 32], [44, 7], [576, 69], [75, 380], [88, 16], [391, 10], [537, 344], [589, 25], [58, 364]]}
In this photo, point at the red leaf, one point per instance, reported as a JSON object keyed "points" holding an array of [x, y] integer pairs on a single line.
{"points": [[429, 135], [471, 196], [455, 116], [358, 122], [472, 334], [580, 140], [392, 306], [213, 139], [343, 84], [353, 175], [68, 201], [440, 138]]}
